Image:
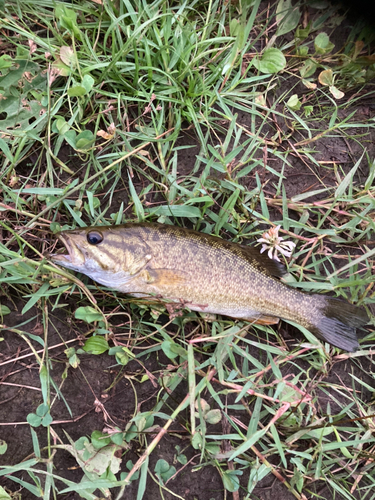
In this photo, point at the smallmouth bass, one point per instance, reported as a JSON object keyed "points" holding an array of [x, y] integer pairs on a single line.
{"points": [[206, 274]]}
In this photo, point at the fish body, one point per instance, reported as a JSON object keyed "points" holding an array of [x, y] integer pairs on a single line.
{"points": [[206, 274]]}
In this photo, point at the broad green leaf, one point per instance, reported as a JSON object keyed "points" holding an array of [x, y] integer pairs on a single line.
{"points": [[4, 310], [47, 420], [257, 473], [99, 440], [271, 61], [62, 126], [3, 447], [88, 314], [197, 441], [67, 18], [297, 480], [118, 438], [5, 61], [294, 103], [131, 433], [172, 350], [182, 459], [34, 419], [88, 82], [212, 448], [122, 358], [203, 404], [302, 34], [42, 410], [74, 361], [81, 442], [213, 416], [322, 44], [96, 345], [84, 140], [77, 91], [234, 27], [163, 470], [287, 17], [123, 355], [308, 68], [71, 138], [16, 76], [231, 480]]}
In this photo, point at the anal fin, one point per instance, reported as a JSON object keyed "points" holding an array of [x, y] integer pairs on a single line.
{"points": [[263, 320]]}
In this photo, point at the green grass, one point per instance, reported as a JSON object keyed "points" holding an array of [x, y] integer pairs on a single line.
{"points": [[258, 97]]}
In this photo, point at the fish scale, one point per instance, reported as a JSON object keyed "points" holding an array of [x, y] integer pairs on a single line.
{"points": [[206, 274]]}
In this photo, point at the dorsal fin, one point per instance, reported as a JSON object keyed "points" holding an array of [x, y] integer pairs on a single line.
{"points": [[271, 266]]}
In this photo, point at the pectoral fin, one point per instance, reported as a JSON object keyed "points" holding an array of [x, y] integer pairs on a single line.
{"points": [[163, 277]]}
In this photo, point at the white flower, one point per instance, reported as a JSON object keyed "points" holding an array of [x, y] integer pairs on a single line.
{"points": [[274, 243]]}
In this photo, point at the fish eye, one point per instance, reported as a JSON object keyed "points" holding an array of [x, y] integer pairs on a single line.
{"points": [[94, 237]]}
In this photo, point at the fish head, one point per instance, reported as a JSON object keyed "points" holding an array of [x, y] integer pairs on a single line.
{"points": [[103, 253]]}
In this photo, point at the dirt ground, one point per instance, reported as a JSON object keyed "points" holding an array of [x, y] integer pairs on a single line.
{"points": [[94, 407], [101, 394]]}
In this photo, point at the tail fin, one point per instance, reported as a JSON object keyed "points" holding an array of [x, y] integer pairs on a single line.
{"points": [[338, 322]]}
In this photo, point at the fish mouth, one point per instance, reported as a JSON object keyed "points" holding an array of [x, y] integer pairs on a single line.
{"points": [[73, 259]]}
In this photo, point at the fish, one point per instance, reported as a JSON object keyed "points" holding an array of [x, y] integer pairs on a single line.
{"points": [[204, 273]]}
